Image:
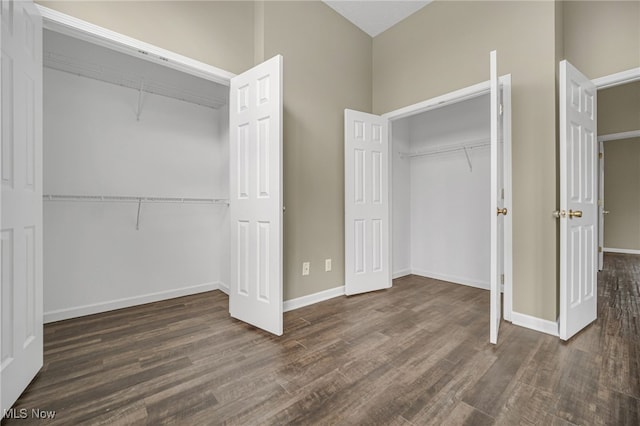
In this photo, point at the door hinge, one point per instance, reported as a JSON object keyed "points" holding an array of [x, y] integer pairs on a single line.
{"points": [[501, 278], [500, 109], [600, 155], [600, 249]]}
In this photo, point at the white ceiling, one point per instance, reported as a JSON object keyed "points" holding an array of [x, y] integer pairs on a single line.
{"points": [[374, 17]]}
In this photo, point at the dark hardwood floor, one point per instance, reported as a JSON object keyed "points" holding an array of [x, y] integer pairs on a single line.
{"points": [[412, 355]]}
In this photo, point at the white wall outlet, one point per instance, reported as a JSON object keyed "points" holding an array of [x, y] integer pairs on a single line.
{"points": [[305, 268], [327, 265]]}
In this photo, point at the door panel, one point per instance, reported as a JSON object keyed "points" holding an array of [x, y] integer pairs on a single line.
{"points": [[255, 117], [497, 204], [367, 233], [21, 205], [578, 201]]}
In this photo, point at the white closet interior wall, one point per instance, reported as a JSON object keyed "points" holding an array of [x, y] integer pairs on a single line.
{"points": [[441, 199], [94, 144]]}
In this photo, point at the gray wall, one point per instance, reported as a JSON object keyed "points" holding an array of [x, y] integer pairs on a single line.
{"points": [[619, 111], [444, 47]]}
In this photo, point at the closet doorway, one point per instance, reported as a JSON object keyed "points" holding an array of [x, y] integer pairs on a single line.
{"points": [[428, 192], [193, 150]]}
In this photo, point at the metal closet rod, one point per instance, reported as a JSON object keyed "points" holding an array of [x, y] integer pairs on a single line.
{"points": [[134, 199], [444, 149]]}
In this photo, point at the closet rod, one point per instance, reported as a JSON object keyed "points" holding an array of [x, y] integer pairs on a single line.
{"points": [[445, 149], [132, 199]]}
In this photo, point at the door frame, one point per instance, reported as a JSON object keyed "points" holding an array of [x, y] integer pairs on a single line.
{"points": [[601, 178], [605, 82], [450, 98]]}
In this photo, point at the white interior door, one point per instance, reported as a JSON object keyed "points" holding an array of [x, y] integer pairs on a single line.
{"points": [[255, 127], [497, 203], [367, 233], [21, 205], [601, 207], [578, 201]]}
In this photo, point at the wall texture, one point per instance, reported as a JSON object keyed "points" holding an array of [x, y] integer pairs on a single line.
{"points": [[602, 37], [619, 109], [445, 46], [327, 68]]}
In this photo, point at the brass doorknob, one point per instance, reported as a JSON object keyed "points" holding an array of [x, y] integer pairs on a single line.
{"points": [[502, 211], [577, 213]]}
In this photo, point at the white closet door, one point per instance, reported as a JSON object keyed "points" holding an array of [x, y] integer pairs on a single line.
{"points": [[21, 268], [255, 120], [578, 201], [498, 210], [367, 232]]}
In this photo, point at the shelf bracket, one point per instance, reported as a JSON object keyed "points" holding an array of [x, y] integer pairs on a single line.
{"points": [[466, 152], [139, 110]]}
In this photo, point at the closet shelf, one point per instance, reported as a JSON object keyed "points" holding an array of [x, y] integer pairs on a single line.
{"points": [[132, 199], [131, 80]]}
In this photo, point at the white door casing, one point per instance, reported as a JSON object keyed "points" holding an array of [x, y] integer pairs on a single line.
{"points": [[497, 213], [255, 148], [367, 207], [506, 195], [578, 201], [21, 206], [601, 206]]}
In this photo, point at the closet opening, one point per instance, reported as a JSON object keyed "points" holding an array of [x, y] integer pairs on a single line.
{"points": [[441, 191], [136, 180]]}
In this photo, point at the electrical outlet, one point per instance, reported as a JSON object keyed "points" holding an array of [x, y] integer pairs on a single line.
{"points": [[327, 265], [305, 268]]}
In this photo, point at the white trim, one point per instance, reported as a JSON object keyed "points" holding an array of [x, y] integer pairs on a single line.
{"points": [[440, 101], [507, 287], [534, 323], [484, 285], [310, 299], [620, 250], [460, 95], [401, 273], [83, 30], [617, 79], [618, 136], [95, 308], [223, 287]]}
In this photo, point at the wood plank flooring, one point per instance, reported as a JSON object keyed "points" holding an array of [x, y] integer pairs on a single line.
{"points": [[413, 355]]}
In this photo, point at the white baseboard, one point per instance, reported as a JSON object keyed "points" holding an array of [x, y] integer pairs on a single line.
{"points": [[401, 273], [619, 250], [321, 296], [485, 285], [95, 308], [534, 323], [223, 287]]}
